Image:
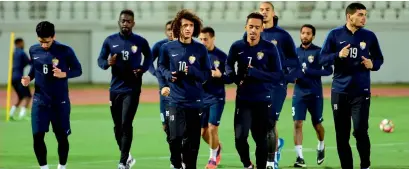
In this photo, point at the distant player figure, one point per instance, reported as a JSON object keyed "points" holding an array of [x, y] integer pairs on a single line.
{"points": [[214, 97], [129, 57], [20, 61], [354, 52], [308, 94], [291, 67], [185, 64], [258, 71], [53, 63]]}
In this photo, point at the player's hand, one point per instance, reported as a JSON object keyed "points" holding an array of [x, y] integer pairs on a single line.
{"points": [[367, 62], [345, 51], [138, 72], [216, 73], [58, 73], [25, 80], [165, 91], [112, 60], [174, 78], [186, 69]]}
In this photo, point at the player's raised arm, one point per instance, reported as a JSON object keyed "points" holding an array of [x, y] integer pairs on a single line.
{"points": [[230, 62], [75, 69], [328, 52], [271, 76], [292, 62], [164, 64], [206, 69], [103, 55], [147, 54], [376, 54]]}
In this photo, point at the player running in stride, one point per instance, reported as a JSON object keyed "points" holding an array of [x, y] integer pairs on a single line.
{"points": [[258, 70], [53, 64], [123, 53], [20, 61], [308, 94], [214, 97], [291, 67]]}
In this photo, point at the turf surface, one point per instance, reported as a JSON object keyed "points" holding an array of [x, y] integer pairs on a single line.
{"points": [[92, 144]]}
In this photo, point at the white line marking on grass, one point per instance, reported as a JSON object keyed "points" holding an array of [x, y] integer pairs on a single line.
{"points": [[206, 155]]}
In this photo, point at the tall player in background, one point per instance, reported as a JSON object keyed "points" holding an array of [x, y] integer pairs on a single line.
{"points": [[20, 61], [291, 67], [123, 53], [354, 52], [185, 64], [53, 64], [214, 97], [308, 94]]}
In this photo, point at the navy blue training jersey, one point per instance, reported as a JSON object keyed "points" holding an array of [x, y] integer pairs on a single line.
{"points": [[350, 75], [20, 61], [47, 87], [187, 90], [155, 53], [257, 83], [214, 87], [310, 82], [132, 52]]}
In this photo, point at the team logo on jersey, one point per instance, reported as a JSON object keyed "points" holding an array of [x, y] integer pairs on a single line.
{"points": [[362, 45], [260, 55], [310, 58], [216, 63], [274, 41], [134, 48], [55, 62], [192, 59]]}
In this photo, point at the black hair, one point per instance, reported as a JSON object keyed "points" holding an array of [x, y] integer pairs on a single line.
{"points": [[168, 23], [127, 12], [353, 7], [255, 15], [309, 26], [209, 30], [18, 40], [45, 29]]}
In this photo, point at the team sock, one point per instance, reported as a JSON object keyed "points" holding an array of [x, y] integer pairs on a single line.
{"points": [[276, 157], [270, 164], [44, 167], [22, 112], [213, 153], [12, 110], [321, 145], [61, 166], [298, 149]]}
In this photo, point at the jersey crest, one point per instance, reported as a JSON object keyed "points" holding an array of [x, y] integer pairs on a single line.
{"points": [[362, 45], [134, 48], [216, 63], [310, 58], [55, 62], [260, 55], [192, 59]]}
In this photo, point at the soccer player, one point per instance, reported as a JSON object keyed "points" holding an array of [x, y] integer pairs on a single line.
{"points": [[20, 61], [123, 53], [308, 93], [185, 64], [354, 52], [259, 69], [163, 87], [214, 98], [291, 66], [53, 63]]}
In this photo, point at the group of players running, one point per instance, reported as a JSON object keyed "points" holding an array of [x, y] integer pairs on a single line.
{"points": [[192, 78]]}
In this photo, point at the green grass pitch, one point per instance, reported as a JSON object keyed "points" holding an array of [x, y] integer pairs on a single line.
{"points": [[92, 144]]}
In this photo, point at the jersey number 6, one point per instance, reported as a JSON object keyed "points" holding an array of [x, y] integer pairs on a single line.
{"points": [[45, 68]]}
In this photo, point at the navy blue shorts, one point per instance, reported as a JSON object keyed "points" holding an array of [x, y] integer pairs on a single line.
{"points": [[22, 91], [58, 114], [164, 108], [280, 93], [312, 103], [212, 113]]}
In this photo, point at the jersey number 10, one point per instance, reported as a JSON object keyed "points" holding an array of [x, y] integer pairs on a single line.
{"points": [[182, 66]]}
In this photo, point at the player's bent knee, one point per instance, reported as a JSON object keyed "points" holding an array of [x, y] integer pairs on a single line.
{"points": [[212, 129]]}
